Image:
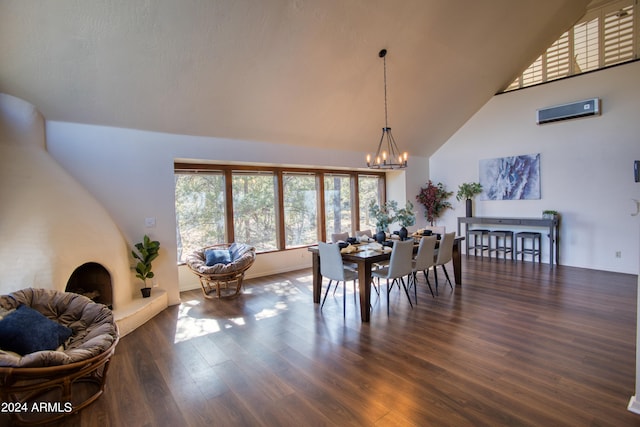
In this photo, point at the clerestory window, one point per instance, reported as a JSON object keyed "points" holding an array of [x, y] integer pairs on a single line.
{"points": [[603, 37]]}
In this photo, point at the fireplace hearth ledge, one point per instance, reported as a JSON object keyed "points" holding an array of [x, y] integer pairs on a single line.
{"points": [[140, 310]]}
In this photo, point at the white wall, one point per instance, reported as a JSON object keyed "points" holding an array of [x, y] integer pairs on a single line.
{"points": [[634, 402], [50, 224], [131, 173], [586, 164]]}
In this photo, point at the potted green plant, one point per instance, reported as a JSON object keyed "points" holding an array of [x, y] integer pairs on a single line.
{"points": [[549, 214], [406, 218], [467, 191], [384, 216], [434, 199], [145, 252]]}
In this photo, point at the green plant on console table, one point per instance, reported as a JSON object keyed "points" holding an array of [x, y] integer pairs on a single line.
{"points": [[468, 190]]}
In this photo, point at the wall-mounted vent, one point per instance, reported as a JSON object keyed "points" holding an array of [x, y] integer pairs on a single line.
{"points": [[588, 107]]}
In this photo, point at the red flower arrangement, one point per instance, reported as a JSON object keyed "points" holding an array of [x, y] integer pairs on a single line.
{"points": [[434, 199]]}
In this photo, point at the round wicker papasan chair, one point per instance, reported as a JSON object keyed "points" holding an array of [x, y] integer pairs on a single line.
{"points": [[55, 349], [221, 268]]}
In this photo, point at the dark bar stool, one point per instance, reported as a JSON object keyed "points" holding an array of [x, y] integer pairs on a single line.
{"points": [[478, 241], [533, 250], [503, 243]]}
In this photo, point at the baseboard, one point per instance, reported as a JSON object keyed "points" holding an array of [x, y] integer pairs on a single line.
{"points": [[189, 286], [634, 405], [275, 271]]}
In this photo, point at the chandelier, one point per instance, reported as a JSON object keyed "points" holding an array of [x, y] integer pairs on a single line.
{"points": [[388, 156]]}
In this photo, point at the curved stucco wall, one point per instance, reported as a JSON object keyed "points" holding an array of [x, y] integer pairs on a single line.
{"points": [[49, 223]]}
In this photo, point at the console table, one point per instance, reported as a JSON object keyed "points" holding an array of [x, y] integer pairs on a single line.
{"points": [[553, 224]]}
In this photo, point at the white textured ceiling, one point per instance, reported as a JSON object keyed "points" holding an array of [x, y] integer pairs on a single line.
{"points": [[303, 72]]}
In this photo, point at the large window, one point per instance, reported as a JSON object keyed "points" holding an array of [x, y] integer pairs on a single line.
{"points": [[200, 211], [603, 37], [369, 191], [300, 209], [270, 208], [337, 202], [254, 212]]}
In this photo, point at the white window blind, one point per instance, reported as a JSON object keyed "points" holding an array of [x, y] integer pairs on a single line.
{"points": [[603, 37], [533, 74], [618, 36], [557, 58], [586, 46]]}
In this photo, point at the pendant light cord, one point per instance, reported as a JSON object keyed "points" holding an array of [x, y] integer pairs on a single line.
{"points": [[383, 53]]}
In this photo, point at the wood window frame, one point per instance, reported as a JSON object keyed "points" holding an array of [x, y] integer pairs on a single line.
{"points": [[319, 173]]}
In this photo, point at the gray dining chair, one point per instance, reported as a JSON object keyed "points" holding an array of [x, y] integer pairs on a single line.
{"points": [[335, 237], [332, 268], [445, 254], [367, 233], [400, 265], [424, 260]]}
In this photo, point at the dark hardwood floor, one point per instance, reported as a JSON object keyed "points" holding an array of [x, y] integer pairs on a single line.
{"points": [[519, 344]]}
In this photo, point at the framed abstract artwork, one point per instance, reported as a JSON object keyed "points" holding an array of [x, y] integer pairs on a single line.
{"points": [[510, 178]]}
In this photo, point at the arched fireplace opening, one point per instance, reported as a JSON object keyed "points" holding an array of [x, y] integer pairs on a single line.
{"points": [[93, 281]]}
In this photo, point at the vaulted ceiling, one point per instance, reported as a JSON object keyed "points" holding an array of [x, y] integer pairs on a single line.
{"points": [[302, 72]]}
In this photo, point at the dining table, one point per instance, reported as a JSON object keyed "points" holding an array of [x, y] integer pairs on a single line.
{"points": [[365, 257]]}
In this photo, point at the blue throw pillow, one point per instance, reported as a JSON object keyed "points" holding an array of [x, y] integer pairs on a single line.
{"points": [[236, 249], [217, 256], [26, 330]]}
